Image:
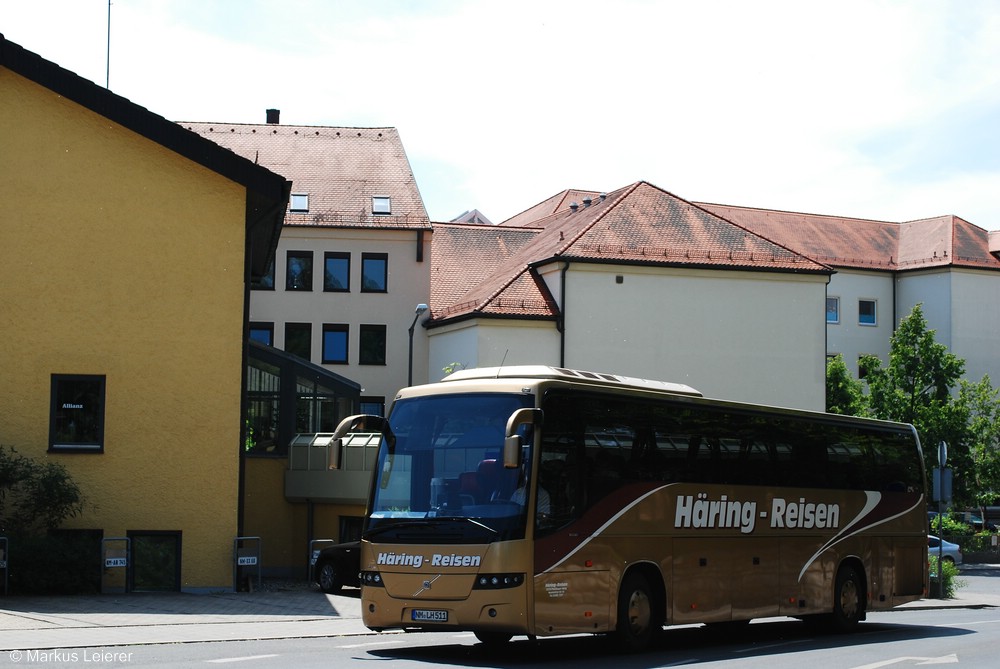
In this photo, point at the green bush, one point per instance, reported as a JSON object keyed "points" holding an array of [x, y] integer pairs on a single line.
{"points": [[35, 498], [950, 575], [952, 526]]}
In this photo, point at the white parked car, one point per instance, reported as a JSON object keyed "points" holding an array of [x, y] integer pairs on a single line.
{"points": [[951, 552]]}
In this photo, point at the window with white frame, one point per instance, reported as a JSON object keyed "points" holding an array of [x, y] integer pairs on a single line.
{"points": [[381, 205], [299, 202], [833, 310], [866, 312]]}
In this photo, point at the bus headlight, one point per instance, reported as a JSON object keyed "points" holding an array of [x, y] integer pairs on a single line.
{"points": [[372, 579], [498, 581]]}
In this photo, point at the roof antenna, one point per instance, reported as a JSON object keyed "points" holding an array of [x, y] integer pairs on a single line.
{"points": [[502, 360], [107, 62]]}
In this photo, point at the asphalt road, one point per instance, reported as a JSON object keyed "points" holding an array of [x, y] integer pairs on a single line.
{"points": [[964, 635]]}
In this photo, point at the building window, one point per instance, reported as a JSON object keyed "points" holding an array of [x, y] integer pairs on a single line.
{"points": [[833, 310], [337, 272], [266, 282], [371, 345], [262, 332], [374, 406], [374, 272], [381, 206], [76, 413], [299, 203], [335, 340], [862, 368], [298, 339], [299, 270], [866, 312]]}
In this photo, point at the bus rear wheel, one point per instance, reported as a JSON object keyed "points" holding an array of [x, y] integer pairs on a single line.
{"points": [[635, 614], [848, 600]]}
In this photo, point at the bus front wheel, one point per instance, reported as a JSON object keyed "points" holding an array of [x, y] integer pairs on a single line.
{"points": [[635, 614], [848, 600], [493, 638]]}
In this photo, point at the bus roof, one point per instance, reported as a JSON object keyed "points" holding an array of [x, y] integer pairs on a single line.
{"points": [[547, 372]]}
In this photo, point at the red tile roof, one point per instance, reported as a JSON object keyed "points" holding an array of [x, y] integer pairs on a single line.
{"points": [[464, 256], [557, 202], [867, 244], [340, 168], [639, 224]]}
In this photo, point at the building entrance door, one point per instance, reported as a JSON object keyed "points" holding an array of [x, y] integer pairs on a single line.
{"points": [[156, 561]]}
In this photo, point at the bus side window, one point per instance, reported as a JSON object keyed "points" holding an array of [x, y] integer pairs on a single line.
{"points": [[605, 476], [755, 463]]}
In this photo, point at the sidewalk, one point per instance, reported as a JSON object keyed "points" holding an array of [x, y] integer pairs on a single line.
{"points": [[34, 623], [28, 623]]}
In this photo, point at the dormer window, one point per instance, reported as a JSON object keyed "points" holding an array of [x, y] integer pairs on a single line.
{"points": [[381, 206], [299, 202]]}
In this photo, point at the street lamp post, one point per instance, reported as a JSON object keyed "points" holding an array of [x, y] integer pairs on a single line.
{"points": [[421, 308]]}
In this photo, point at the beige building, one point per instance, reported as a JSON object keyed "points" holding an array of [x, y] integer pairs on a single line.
{"points": [[352, 264], [947, 264], [353, 261], [636, 282], [727, 299]]}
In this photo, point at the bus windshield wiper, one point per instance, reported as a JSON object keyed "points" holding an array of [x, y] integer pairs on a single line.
{"points": [[479, 524]]}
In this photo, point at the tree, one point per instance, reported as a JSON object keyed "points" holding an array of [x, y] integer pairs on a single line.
{"points": [[35, 496], [844, 394], [982, 403], [916, 387]]}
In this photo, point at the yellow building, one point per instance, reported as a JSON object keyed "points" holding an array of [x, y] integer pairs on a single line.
{"points": [[127, 248]]}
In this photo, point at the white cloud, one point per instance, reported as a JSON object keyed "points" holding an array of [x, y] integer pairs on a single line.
{"points": [[860, 108]]}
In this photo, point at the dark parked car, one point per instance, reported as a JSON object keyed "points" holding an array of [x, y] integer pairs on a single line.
{"points": [[338, 566]]}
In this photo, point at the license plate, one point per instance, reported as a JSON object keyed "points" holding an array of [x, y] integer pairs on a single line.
{"points": [[426, 616]]}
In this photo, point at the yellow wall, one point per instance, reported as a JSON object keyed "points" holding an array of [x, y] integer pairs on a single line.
{"points": [[121, 258], [284, 526]]}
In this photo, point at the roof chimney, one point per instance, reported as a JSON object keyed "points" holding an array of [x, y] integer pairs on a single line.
{"points": [[995, 243], [272, 116], [586, 202], [574, 206]]}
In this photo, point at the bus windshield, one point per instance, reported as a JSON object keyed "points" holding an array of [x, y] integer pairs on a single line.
{"points": [[442, 478]]}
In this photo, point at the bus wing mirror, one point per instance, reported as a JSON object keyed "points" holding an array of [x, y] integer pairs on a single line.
{"points": [[364, 422], [360, 423], [513, 442], [512, 451]]}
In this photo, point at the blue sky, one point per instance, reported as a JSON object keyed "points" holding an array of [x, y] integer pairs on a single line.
{"points": [[877, 109]]}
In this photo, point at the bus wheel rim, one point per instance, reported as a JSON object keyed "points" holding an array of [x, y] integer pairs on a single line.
{"points": [[638, 612], [849, 599]]}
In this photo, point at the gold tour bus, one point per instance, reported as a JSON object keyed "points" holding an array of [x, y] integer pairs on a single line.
{"points": [[542, 501]]}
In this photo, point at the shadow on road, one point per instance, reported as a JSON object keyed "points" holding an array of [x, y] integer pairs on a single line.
{"points": [[675, 646]]}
